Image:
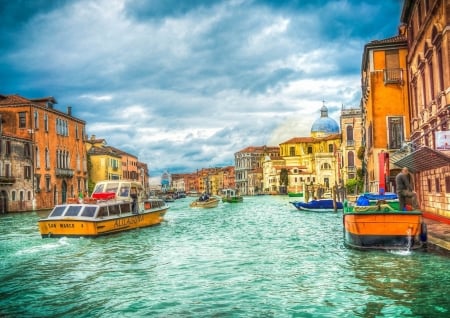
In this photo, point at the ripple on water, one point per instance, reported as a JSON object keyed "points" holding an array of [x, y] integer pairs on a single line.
{"points": [[259, 258]]}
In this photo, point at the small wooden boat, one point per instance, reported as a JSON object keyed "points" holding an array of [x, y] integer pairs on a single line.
{"points": [[230, 196], [115, 206], [321, 205], [295, 194], [378, 224], [211, 202]]}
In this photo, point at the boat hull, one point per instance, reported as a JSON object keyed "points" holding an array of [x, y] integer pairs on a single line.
{"points": [[232, 199], [384, 230], [71, 227], [296, 194], [318, 210], [210, 203]]}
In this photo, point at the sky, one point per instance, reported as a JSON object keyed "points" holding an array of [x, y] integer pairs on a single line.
{"points": [[183, 85]]}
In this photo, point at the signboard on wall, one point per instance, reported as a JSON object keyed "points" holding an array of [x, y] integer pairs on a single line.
{"points": [[442, 140]]}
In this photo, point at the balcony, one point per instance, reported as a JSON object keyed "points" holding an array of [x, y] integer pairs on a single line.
{"points": [[7, 180], [64, 173], [350, 143], [393, 76]]}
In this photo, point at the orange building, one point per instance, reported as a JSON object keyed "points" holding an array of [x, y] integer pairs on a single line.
{"points": [[58, 156], [384, 106]]}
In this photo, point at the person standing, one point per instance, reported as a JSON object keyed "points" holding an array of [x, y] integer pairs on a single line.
{"points": [[404, 187]]}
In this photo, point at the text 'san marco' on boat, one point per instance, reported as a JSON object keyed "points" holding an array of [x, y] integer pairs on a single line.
{"points": [[320, 205], [115, 206], [205, 201], [230, 196], [375, 222]]}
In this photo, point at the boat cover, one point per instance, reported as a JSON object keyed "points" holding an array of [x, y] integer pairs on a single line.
{"points": [[318, 204]]}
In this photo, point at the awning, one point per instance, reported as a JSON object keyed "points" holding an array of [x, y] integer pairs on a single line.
{"points": [[424, 159]]}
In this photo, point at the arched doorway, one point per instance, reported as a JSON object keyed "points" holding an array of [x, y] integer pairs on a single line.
{"points": [[64, 191], [3, 202]]}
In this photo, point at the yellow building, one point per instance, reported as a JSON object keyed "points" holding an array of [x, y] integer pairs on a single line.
{"points": [[308, 160], [104, 162], [352, 129], [384, 106]]}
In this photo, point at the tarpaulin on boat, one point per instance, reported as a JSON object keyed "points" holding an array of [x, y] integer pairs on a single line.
{"points": [[424, 159]]}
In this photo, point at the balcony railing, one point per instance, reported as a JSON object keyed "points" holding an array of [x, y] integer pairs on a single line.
{"points": [[64, 173], [393, 76], [350, 143], [7, 180]]}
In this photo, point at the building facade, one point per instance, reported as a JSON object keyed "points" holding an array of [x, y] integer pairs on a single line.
{"points": [[58, 151], [247, 163], [428, 68], [384, 107], [352, 130]]}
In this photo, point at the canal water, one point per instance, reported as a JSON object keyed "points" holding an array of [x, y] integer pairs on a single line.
{"points": [[260, 258]]}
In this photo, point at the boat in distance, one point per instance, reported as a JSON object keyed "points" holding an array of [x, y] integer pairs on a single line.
{"points": [[321, 205], [115, 206], [376, 223], [207, 203], [230, 196]]}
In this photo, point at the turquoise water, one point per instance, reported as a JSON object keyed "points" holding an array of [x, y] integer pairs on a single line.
{"points": [[260, 258]]}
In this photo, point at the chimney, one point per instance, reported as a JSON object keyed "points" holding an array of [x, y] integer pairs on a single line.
{"points": [[69, 110]]}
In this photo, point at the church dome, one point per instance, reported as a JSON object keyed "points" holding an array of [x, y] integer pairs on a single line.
{"points": [[324, 125]]}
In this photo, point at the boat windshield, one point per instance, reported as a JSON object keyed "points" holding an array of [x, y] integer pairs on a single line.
{"points": [[73, 210], [58, 211]]}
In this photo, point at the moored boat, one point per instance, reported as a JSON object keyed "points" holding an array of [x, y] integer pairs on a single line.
{"points": [[321, 205], [230, 196], [295, 194], [376, 223], [115, 206]]}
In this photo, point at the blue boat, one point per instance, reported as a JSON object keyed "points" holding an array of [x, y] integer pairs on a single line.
{"points": [[322, 205]]}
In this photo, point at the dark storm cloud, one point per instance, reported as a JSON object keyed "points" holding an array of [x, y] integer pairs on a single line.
{"points": [[185, 84]]}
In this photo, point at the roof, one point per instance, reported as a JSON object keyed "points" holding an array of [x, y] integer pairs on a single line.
{"points": [[424, 159], [297, 140], [260, 149]]}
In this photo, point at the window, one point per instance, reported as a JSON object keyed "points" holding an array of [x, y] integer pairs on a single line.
{"points": [[447, 184], [47, 159], [310, 150], [291, 151], [349, 133], [7, 170], [76, 132], [22, 119], [13, 195], [46, 122], [37, 158], [7, 147], [27, 172], [429, 184], [351, 159], [331, 148], [37, 179], [393, 72], [437, 184], [395, 131], [47, 184], [26, 150], [36, 119]]}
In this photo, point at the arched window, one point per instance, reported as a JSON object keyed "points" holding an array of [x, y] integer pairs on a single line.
{"points": [[349, 133]]}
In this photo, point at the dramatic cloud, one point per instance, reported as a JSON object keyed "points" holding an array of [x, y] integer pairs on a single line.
{"points": [[186, 84]]}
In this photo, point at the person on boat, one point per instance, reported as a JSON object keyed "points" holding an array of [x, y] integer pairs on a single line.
{"points": [[134, 197], [404, 188]]}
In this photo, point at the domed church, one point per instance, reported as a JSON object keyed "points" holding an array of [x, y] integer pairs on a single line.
{"points": [[311, 161], [324, 125]]}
